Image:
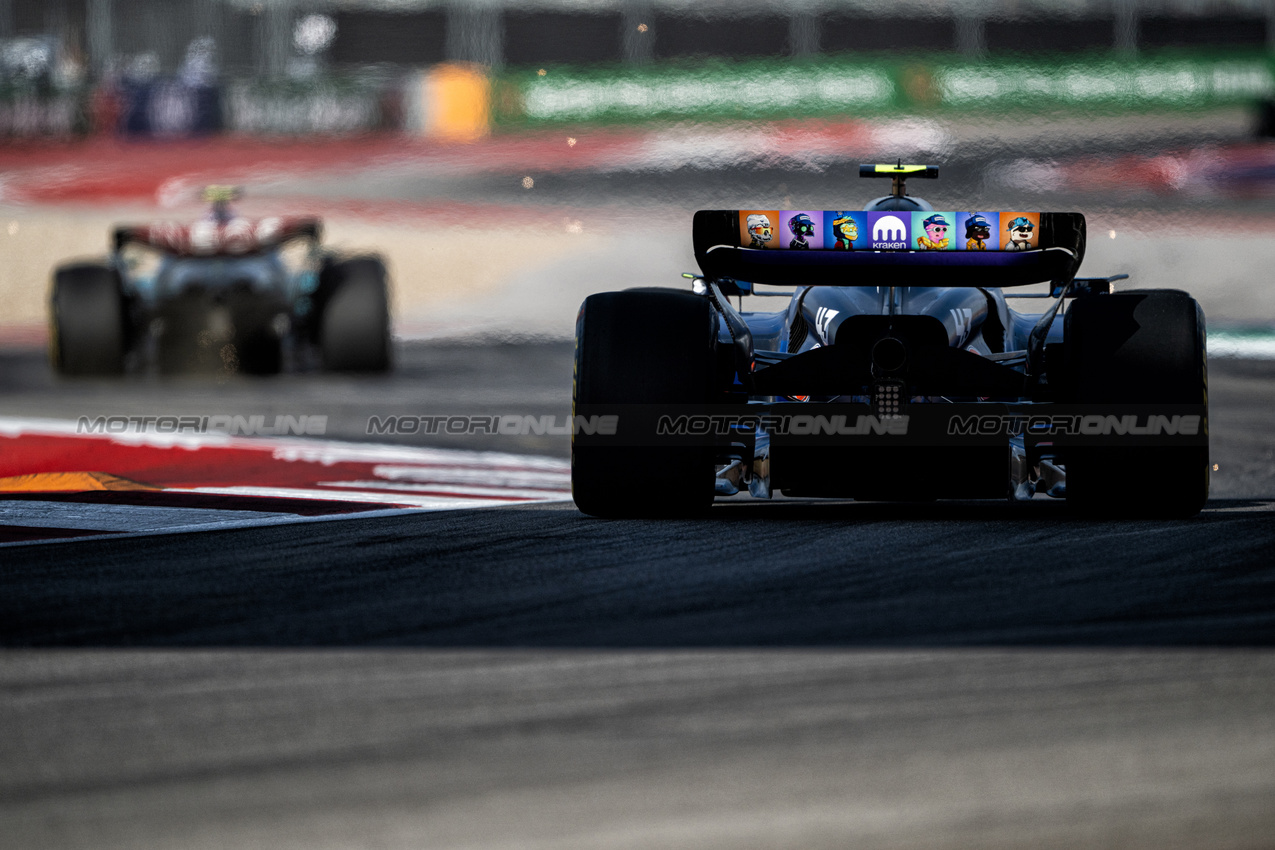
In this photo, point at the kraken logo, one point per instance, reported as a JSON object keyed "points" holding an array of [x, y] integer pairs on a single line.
{"points": [[889, 228]]}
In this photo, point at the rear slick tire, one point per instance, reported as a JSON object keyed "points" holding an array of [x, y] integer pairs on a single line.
{"points": [[354, 327], [1137, 347], [643, 347], [88, 318]]}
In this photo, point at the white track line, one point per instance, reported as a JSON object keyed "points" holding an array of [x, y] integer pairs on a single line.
{"points": [[226, 525], [436, 503], [1233, 345], [104, 517]]}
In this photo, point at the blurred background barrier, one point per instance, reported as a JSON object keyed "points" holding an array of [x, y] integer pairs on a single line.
{"points": [[24, 115], [830, 87], [455, 69], [332, 106], [450, 101]]}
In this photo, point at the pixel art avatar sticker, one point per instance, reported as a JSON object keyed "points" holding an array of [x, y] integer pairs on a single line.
{"points": [[761, 229], [802, 229], [890, 231], [903, 230], [976, 231], [932, 231], [1020, 231], [846, 231]]}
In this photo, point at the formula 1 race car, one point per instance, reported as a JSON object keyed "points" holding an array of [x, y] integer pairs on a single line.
{"points": [[896, 369], [226, 293]]}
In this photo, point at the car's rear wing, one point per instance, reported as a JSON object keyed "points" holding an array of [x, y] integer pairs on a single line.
{"points": [[896, 248], [236, 237]]}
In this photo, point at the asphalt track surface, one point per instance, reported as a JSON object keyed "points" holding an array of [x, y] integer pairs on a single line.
{"points": [[793, 674], [784, 675]]}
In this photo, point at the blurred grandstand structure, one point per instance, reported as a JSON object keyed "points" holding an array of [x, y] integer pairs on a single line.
{"points": [[190, 67]]}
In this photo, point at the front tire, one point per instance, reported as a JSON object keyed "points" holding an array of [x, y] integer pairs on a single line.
{"points": [[1138, 347], [88, 321], [642, 347]]}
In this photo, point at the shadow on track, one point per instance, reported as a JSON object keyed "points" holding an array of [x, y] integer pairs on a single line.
{"points": [[784, 574]]}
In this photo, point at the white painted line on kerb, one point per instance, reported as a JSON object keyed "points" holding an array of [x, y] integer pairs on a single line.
{"points": [[107, 517], [223, 525], [436, 503], [1242, 345]]}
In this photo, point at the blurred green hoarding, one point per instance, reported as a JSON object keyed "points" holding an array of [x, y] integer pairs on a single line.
{"points": [[776, 88]]}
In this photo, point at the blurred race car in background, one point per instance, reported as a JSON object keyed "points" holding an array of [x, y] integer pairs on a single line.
{"points": [[225, 293], [896, 369]]}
